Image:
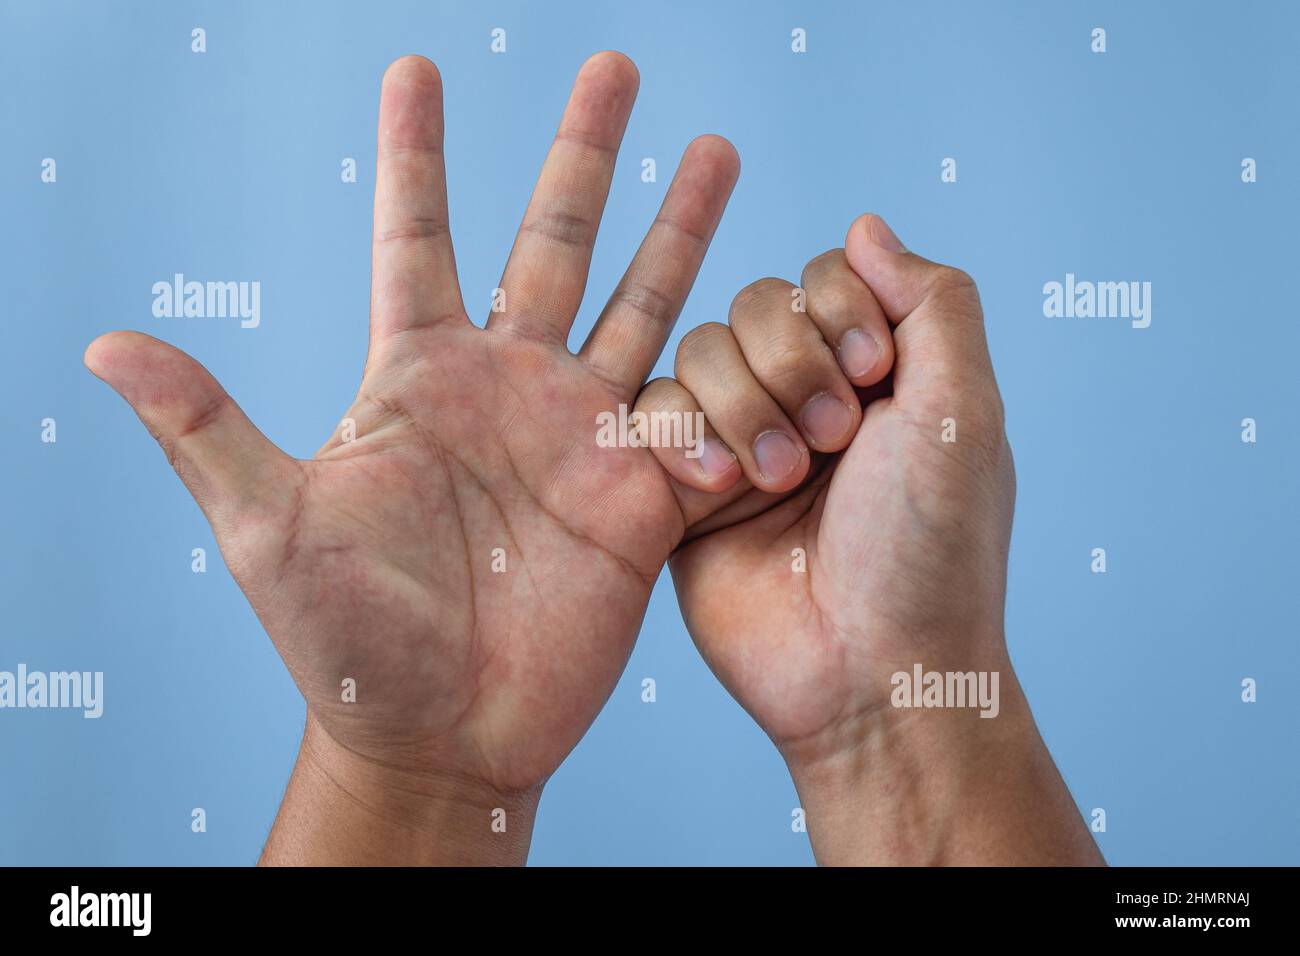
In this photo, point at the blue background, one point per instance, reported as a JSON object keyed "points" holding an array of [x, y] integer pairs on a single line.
{"points": [[225, 165]]}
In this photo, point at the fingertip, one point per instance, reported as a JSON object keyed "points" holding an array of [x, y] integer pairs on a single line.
{"points": [[857, 242], [716, 150], [830, 420], [410, 106], [871, 230], [92, 357], [601, 100], [716, 469], [413, 71], [109, 350], [864, 254], [865, 357], [781, 461], [860, 226], [711, 166], [612, 70]]}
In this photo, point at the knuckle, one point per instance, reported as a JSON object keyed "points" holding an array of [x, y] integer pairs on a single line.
{"points": [[758, 293], [700, 341], [952, 296], [955, 284], [954, 278], [658, 393], [833, 300], [783, 362], [818, 266]]}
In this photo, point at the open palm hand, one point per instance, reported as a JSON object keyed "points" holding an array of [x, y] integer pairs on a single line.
{"points": [[461, 552]]}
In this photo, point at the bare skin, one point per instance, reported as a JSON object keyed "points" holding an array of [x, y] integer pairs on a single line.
{"points": [[904, 539], [373, 561]]}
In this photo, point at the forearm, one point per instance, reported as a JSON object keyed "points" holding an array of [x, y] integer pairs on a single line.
{"points": [[942, 786], [342, 810]]}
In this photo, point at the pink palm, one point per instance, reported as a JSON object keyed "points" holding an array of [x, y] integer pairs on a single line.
{"points": [[374, 561]]}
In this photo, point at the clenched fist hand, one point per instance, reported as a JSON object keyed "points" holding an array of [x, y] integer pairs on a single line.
{"points": [[864, 533]]}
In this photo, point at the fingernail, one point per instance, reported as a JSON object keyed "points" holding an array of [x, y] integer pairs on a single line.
{"points": [[879, 232], [858, 353], [716, 459], [776, 455], [825, 418]]}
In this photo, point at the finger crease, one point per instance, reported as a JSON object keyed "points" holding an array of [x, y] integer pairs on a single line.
{"points": [[204, 418], [647, 300], [563, 228], [422, 227], [694, 235]]}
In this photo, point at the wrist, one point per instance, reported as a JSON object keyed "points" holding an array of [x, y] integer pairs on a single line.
{"points": [[342, 808], [939, 785]]}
